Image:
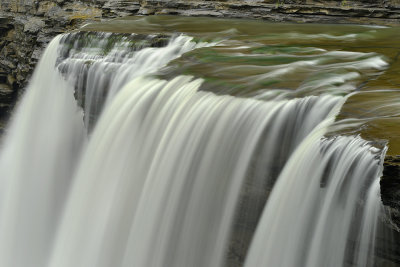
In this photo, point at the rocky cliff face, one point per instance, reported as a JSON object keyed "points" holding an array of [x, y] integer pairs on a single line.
{"points": [[26, 26]]}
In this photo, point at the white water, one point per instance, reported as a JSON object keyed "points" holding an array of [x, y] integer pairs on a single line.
{"points": [[100, 77], [36, 163], [160, 178], [311, 210]]}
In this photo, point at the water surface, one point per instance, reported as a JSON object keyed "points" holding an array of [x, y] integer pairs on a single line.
{"points": [[268, 60]]}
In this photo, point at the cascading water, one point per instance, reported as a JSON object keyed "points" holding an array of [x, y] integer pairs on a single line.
{"points": [[164, 177], [322, 182], [36, 164], [98, 74]]}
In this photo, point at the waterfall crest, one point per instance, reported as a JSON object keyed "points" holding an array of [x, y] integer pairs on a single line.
{"points": [[159, 180], [104, 63]]}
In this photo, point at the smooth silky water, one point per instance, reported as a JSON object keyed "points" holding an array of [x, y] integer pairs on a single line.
{"points": [[169, 141]]}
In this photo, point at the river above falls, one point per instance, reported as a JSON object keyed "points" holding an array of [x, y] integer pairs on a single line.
{"points": [[267, 61]]}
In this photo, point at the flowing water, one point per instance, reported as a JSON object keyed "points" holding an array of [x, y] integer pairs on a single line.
{"points": [[167, 141]]}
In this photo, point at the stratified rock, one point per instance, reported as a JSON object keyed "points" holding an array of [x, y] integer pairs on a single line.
{"points": [[5, 93], [7, 99], [5, 24], [120, 8], [45, 7], [34, 25]]}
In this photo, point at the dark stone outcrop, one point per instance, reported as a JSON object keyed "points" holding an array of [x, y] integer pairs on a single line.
{"points": [[7, 99], [390, 190]]}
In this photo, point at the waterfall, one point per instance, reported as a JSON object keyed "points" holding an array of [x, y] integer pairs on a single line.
{"points": [[314, 202], [37, 160], [160, 178], [98, 74]]}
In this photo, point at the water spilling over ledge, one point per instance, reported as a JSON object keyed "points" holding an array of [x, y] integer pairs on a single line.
{"points": [[172, 145]]}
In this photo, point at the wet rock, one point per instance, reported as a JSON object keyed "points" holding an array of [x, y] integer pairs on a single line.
{"points": [[45, 7], [10, 80], [300, 11], [5, 24], [5, 92], [7, 99], [8, 64], [120, 8], [3, 76], [390, 190], [34, 25], [208, 13]]}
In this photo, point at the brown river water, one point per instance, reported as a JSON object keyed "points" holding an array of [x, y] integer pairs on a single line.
{"points": [[268, 60]]}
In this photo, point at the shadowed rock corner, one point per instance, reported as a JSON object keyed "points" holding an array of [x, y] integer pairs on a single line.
{"points": [[390, 189], [6, 104], [388, 246], [6, 91]]}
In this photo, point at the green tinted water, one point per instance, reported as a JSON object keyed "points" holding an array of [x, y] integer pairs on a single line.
{"points": [[279, 60]]}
